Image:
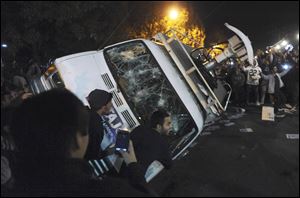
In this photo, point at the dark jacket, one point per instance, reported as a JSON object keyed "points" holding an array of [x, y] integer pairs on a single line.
{"points": [[237, 79], [96, 132], [70, 177], [149, 146]]}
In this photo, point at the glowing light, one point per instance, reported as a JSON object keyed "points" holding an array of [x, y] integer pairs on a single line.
{"points": [[285, 66], [277, 47], [173, 14], [4, 45], [181, 24], [284, 43]]}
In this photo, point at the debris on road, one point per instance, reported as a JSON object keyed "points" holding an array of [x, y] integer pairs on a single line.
{"points": [[246, 130], [292, 136], [229, 124], [205, 133]]}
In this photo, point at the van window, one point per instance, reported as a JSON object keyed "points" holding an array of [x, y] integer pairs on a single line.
{"points": [[145, 86]]}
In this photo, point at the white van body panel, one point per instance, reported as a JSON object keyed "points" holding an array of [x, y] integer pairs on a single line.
{"points": [[82, 72]]}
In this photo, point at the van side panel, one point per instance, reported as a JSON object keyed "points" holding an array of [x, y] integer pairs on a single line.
{"points": [[81, 75]]}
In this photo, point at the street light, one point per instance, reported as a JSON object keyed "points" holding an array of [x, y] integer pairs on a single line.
{"points": [[173, 14], [4, 45]]}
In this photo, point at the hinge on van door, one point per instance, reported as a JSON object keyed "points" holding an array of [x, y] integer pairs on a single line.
{"points": [[212, 104]]}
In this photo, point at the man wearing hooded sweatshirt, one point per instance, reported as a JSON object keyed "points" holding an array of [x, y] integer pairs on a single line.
{"points": [[100, 104]]}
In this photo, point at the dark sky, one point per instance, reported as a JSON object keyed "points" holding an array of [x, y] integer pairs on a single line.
{"points": [[263, 22]]}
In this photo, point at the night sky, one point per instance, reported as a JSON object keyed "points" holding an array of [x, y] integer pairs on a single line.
{"points": [[263, 22]]}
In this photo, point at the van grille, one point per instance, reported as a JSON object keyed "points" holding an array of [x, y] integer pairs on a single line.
{"points": [[107, 81], [117, 99], [128, 118]]}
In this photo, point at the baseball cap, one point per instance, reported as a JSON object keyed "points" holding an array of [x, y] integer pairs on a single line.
{"points": [[98, 98]]}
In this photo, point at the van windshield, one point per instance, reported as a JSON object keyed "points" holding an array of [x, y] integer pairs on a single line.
{"points": [[145, 86]]}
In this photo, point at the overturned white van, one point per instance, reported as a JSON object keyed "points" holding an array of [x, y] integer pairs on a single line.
{"points": [[144, 75]]}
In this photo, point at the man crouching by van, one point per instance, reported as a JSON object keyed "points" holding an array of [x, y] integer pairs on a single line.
{"points": [[150, 141]]}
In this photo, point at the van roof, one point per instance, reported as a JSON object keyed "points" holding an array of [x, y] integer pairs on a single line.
{"points": [[127, 41], [64, 58]]}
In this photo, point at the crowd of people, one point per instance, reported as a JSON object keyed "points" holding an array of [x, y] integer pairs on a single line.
{"points": [[60, 149], [273, 79], [15, 80], [53, 136], [52, 159], [14, 89]]}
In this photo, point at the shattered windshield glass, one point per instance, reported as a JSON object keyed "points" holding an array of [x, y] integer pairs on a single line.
{"points": [[145, 86]]}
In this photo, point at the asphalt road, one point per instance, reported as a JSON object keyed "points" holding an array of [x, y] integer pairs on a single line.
{"points": [[227, 162]]}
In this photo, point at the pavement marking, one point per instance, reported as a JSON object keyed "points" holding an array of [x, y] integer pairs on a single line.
{"points": [[292, 136]]}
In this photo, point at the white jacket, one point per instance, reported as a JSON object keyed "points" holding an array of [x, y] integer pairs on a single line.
{"points": [[271, 78]]}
